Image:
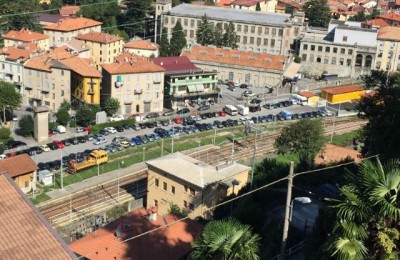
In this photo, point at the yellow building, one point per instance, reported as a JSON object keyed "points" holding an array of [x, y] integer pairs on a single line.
{"points": [[16, 38], [388, 49], [178, 179], [312, 98], [22, 169], [342, 93], [104, 47], [85, 80]]}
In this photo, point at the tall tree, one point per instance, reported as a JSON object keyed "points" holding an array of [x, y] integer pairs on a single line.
{"points": [[226, 239], [317, 12], [230, 39], [178, 40], [258, 7], [18, 14], [204, 33], [26, 125], [10, 98], [218, 36], [85, 115], [137, 17], [55, 6], [164, 43], [367, 214], [104, 11], [359, 17]]}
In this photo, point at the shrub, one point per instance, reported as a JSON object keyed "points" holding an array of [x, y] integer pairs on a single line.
{"points": [[26, 125], [97, 128], [5, 133]]}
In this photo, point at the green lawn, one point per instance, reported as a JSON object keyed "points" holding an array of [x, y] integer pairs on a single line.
{"points": [[345, 139]]}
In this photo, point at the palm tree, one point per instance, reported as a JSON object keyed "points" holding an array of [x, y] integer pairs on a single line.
{"points": [[226, 239], [368, 213]]}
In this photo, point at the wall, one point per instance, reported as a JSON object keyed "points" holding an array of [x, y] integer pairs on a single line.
{"points": [[30, 178], [104, 52], [56, 37], [80, 88], [11, 71], [340, 98], [355, 36], [145, 53], [387, 55]]}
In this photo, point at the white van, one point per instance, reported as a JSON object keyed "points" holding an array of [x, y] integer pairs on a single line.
{"points": [[230, 110], [61, 129], [242, 110]]}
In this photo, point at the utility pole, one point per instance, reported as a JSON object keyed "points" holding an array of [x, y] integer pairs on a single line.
{"points": [[287, 212], [172, 145]]}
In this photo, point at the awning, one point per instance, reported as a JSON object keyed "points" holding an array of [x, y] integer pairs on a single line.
{"points": [[192, 88], [292, 70], [200, 88]]}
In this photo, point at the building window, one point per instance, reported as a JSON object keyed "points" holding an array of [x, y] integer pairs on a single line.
{"points": [[191, 33], [253, 29], [266, 31], [272, 43], [54, 96], [345, 38], [157, 182], [326, 60], [62, 93], [304, 57], [313, 47], [319, 59], [333, 61], [311, 57], [244, 39], [265, 42], [327, 49], [258, 41], [341, 61], [238, 27], [280, 32], [251, 40], [186, 188], [342, 51], [334, 50], [165, 186], [185, 204], [246, 28], [191, 206], [156, 203], [319, 48], [173, 189], [185, 22], [305, 47], [348, 62], [192, 191], [350, 51], [259, 29], [26, 184], [273, 31], [191, 23]]}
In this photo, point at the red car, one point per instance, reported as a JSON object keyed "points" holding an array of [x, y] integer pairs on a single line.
{"points": [[50, 133], [178, 120], [221, 113], [59, 144], [87, 129]]}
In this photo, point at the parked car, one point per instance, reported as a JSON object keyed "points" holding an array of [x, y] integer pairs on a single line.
{"points": [[183, 111], [74, 140], [135, 127], [203, 108], [89, 137], [79, 129], [232, 88], [52, 146], [15, 144], [136, 140], [59, 144], [45, 148], [244, 85], [221, 113], [116, 118], [82, 139], [119, 129], [124, 144], [248, 93], [178, 120], [99, 141], [168, 113], [152, 115], [111, 130]]}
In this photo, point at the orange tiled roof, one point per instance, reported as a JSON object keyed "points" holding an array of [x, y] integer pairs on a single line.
{"points": [[131, 63], [72, 24], [246, 2], [377, 22], [18, 165], [25, 233], [45, 62], [223, 3], [82, 67], [99, 37], [333, 153], [171, 242], [24, 35], [142, 44], [21, 52], [390, 16], [291, 3], [69, 10], [343, 89], [389, 33], [307, 94], [235, 57]]}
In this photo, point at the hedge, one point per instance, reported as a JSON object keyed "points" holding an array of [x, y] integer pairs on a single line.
{"points": [[96, 128]]}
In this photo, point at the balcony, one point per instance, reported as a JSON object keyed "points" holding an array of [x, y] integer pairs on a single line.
{"points": [[119, 84], [138, 91], [37, 97], [156, 81], [45, 91], [194, 81], [127, 102]]}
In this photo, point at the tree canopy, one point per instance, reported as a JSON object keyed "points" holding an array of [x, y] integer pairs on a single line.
{"points": [[204, 33], [111, 106], [10, 98], [26, 125], [18, 14], [136, 17], [105, 11], [164, 43], [230, 39], [178, 40], [207, 34], [317, 12], [86, 114]]}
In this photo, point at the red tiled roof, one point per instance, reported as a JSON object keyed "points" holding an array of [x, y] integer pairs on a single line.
{"points": [[377, 22], [333, 153], [177, 63], [72, 24], [142, 44], [307, 94], [171, 242], [343, 89], [18, 165], [389, 33], [223, 3], [69, 10], [235, 57], [99, 37], [82, 67], [24, 35], [45, 62], [21, 52], [390, 16], [291, 3], [131, 63], [246, 2]]}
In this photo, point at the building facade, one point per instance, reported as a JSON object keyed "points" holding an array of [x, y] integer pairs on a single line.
{"points": [[16, 38], [66, 29], [388, 49], [136, 82], [342, 94], [264, 5], [143, 48], [256, 31]]}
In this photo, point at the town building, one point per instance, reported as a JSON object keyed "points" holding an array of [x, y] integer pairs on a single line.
{"points": [[85, 80], [192, 185], [107, 242], [76, 47], [283, 5], [345, 48], [388, 49], [136, 82], [104, 47], [161, 7], [66, 29], [257, 69], [256, 31], [26, 234], [342, 94], [69, 10], [16, 38], [143, 48], [312, 98], [45, 19], [391, 18], [47, 82], [185, 83], [22, 169], [251, 5]]}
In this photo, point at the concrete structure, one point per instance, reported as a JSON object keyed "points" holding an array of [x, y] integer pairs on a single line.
{"points": [[256, 31], [26, 234], [16, 38], [136, 82], [257, 69], [104, 47], [161, 7], [388, 49], [178, 179], [184, 82], [22, 169], [342, 94], [47, 82], [41, 123], [312, 98], [251, 5], [66, 29], [142, 48], [85, 80], [346, 48]]}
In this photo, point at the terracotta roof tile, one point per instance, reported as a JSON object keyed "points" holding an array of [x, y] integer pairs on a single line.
{"points": [[176, 63], [142, 44], [99, 37], [223, 3], [22, 52], [72, 24], [343, 89], [332, 153], [171, 242], [131, 63], [377, 22], [235, 57], [246, 2], [389, 33], [290, 3], [390, 16], [82, 67], [18, 165], [25, 233], [24, 35], [45, 61], [69, 10], [307, 94]]}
